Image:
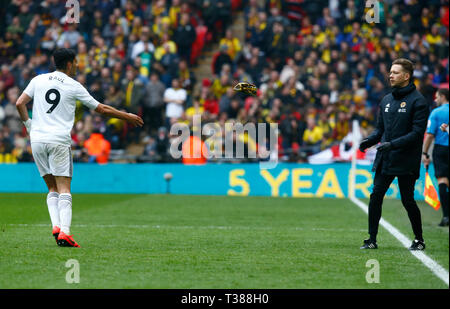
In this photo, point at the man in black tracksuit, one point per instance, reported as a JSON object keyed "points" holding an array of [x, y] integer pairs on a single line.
{"points": [[400, 128]]}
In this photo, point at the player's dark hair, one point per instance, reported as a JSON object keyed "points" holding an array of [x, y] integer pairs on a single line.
{"points": [[406, 64], [444, 92], [62, 56]]}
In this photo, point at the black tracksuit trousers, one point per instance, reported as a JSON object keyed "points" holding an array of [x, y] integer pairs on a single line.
{"points": [[406, 185]]}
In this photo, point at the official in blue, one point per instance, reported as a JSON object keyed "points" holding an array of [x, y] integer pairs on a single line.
{"points": [[400, 128], [440, 155]]}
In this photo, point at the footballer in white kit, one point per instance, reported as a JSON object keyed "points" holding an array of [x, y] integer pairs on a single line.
{"points": [[54, 102], [54, 98]]}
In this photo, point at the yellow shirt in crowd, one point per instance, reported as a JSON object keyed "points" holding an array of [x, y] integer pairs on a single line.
{"points": [[313, 136]]}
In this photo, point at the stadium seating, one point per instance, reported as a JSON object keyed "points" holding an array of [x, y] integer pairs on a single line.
{"points": [[308, 60]]}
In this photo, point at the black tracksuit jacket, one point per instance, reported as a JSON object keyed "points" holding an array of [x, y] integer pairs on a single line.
{"points": [[402, 121]]}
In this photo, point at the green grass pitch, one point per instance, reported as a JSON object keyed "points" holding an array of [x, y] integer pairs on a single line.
{"points": [[209, 242]]}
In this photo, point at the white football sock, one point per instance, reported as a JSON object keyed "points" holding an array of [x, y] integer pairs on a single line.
{"points": [[65, 211], [52, 203]]}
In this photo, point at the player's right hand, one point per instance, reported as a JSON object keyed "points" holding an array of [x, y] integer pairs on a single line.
{"points": [[27, 125], [135, 120]]}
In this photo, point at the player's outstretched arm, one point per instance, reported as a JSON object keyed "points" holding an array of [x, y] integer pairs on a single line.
{"points": [[110, 111]]}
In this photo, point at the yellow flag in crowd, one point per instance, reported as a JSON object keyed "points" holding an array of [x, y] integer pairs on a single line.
{"points": [[430, 193]]}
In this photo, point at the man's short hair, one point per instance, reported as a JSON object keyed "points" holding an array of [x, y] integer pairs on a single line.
{"points": [[444, 92], [62, 56], [407, 65]]}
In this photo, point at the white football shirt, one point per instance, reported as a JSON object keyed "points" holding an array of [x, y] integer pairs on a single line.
{"points": [[174, 110], [54, 101]]}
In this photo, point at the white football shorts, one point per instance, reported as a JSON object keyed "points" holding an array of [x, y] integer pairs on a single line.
{"points": [[53, 159]]}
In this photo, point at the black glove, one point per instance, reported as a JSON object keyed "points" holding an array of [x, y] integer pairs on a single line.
{"points": [[364, 145], [384, 146]]}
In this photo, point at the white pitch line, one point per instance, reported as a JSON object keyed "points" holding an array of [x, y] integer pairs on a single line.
{"points": [[212, 227], [437, 269]]}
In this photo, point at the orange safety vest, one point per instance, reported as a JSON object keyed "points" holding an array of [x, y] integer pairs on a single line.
{"points": [[194, 150], [98, 146]]}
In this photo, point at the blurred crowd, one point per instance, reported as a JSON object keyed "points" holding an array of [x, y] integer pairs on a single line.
{"points": [[318, 65]]}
